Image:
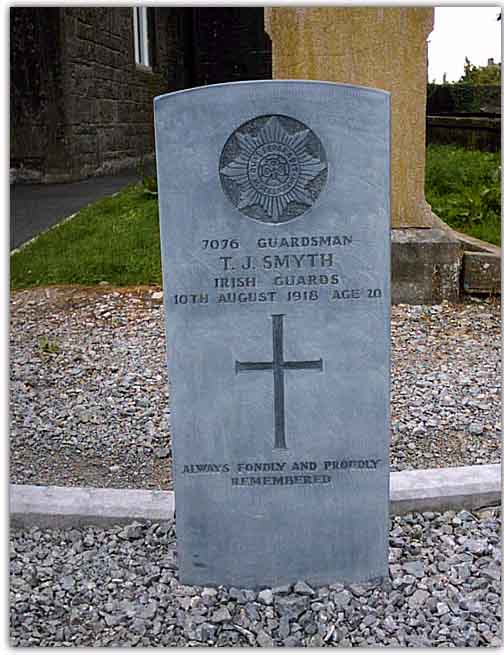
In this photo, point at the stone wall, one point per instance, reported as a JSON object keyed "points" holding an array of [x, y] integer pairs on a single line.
{"points": [[80, 105], [467, 115], [108, 97], [86, 108], [473, 132], [380, 47], [37, 118]]}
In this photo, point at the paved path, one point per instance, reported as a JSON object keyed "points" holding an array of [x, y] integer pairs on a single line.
{"points": [[35, 207]]}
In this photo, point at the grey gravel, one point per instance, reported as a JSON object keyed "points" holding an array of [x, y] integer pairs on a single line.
{"points": [[94, 587], [89, 403], [265, 596], [302, 588], [89, 399], [221, 615], [445, 396], [415, 568]]}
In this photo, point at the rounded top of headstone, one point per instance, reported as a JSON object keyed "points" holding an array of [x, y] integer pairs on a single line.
{"points": [[286, 84]]}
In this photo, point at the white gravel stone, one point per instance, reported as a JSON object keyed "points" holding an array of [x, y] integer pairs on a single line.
{"points": [[118, 592], [95, 396], [265, 596]]}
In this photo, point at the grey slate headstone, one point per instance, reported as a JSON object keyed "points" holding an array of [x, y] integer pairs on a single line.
{"points": [[274, 214]]}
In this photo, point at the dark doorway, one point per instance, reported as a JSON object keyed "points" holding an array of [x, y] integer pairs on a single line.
{"points": [[226, 45]]}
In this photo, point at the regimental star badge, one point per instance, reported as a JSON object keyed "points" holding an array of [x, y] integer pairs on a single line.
{"points": [[273, 168]]}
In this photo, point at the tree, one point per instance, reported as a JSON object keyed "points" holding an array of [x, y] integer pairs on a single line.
{"points": [[489, 74]]}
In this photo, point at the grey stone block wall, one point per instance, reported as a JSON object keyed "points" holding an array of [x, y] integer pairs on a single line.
{"points": [[37, 117], [80, 106], [472, 132], [108, 97], [83, 107]]}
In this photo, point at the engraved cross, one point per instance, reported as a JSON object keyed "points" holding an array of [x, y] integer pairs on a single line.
{"points": [[278, 366]]}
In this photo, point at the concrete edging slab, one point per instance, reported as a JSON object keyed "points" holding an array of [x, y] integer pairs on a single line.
{"points": [[460, 487], [62, 507], [467, 487]]}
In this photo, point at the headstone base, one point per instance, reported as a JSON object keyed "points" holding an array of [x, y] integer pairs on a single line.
{"points": [[426, 266], [438, 263]]}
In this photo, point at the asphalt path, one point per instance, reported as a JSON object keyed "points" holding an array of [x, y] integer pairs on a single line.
{"points": [[36, 207]]}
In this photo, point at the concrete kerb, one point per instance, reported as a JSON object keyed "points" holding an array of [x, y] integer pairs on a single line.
{"points": [[37, 236], [467, 487], [51, 228], [62, 507], [461, 487]]}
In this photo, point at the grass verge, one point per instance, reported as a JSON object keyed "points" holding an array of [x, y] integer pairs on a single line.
{"points": [[115, 240], [463, 188]]}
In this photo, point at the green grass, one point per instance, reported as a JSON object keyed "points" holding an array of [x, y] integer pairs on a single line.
{"points": [[463, 188], [115, 240]]}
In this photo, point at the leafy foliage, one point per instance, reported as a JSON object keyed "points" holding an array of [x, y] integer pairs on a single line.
{"points": [[149, 184], [480, 74], [48, 346], [463, 188], [462, 98]]}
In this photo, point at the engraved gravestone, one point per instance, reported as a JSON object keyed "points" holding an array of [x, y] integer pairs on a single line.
{"points": [[274, 215]]}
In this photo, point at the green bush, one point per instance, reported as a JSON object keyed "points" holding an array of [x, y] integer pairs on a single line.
{"points": [[462, 98], [463, 188]]}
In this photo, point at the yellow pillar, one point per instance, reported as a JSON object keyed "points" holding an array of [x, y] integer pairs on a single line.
{"points": [[385, 48]]}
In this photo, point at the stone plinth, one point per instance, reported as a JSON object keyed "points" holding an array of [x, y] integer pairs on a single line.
{"points": [[385, 48], [426, 266]]}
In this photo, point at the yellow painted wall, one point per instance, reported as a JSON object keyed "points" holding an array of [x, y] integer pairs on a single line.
{"points": [[385, 48]]}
